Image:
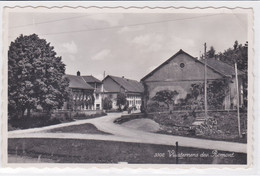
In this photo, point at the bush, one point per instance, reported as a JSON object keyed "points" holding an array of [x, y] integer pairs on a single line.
{"points": [[83, 115], [36, 120], [126, 118], [174, 119], [155, 107], [221, 125], [62, 116], [113, 110], [80, 116], [208, 127], [227, 122], [107, 103], [126, 107]]}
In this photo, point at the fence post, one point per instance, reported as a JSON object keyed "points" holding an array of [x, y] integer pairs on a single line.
{"points": [[177, 152]]}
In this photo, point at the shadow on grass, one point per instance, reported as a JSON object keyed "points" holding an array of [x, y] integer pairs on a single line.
{"points": [[86, 128]]}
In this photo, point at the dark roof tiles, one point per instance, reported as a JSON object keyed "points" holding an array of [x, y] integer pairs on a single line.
{"points": [[128, 84], [91, 79], [221, 67], [78, 82]]}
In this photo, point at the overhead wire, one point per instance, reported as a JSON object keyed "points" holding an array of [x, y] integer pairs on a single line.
{"points": [[50, 21], [118, 26]]}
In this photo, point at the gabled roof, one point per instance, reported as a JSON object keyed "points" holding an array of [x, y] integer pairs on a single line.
{"points": [[78, 82], [127, 84], [91, 79], [213, 64]]}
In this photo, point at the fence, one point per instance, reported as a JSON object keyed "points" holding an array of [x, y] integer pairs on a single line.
{"points": [[187, 108], [76, 114]]}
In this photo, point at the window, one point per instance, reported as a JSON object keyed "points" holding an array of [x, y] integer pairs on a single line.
{"points": [[182, 65], [97, 96]]}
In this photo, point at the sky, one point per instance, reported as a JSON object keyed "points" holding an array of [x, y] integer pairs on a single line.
{"points": [[127, 44]]}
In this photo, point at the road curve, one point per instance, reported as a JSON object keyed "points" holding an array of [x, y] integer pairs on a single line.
{"points": [[124, 134]]}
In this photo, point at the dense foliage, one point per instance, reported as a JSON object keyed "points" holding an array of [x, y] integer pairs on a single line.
{"points": [[236, 54], [166, 96], [35, 77], [107, 103], [239, 54], [121, 100], [216, 92]]}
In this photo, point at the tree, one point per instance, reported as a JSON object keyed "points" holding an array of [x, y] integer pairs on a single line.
{"points": [[35, 77], [107, 103], [166, 96], [121, 100], [238, 54], [195, 98], [235, 45], [217, 91], [211, 52]]}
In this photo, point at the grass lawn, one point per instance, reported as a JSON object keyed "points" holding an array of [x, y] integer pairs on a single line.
{"points": [[96, 151], [38, 119], [86, 128]]}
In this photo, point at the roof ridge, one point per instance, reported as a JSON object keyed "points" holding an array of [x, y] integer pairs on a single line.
{"points": [[86, 82], [91, 77], [70, 75], [115, 80], [165, 62], [78, 82], [123, 78], [176, 54], [221, 62]]}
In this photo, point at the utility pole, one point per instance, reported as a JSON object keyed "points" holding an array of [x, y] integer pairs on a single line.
{"points": [[237, 90], [102, 90], [205, 77]]}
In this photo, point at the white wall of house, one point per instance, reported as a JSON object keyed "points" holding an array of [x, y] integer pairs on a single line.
{"points": [[134, 100], [98, 94]]}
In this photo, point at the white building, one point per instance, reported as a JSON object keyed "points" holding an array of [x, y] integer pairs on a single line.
{"points": [[98, 90], [132, 88]]}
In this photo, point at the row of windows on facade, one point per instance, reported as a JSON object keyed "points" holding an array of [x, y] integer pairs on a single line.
{"points": [[133, 97], [83, 97], [132, 102]]}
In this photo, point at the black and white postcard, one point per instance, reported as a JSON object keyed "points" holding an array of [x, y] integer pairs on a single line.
{"points": [[170, 87]]}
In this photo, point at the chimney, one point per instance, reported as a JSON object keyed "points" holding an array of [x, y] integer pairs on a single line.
{"points": [[78, 73]]}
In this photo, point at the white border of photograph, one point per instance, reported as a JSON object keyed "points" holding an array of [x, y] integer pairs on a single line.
{"points": [[153, 168]]}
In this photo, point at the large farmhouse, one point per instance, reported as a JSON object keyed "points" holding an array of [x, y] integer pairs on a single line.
{"points": [[132, 88], [98, 90], [182, 70], [86, 92]]}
